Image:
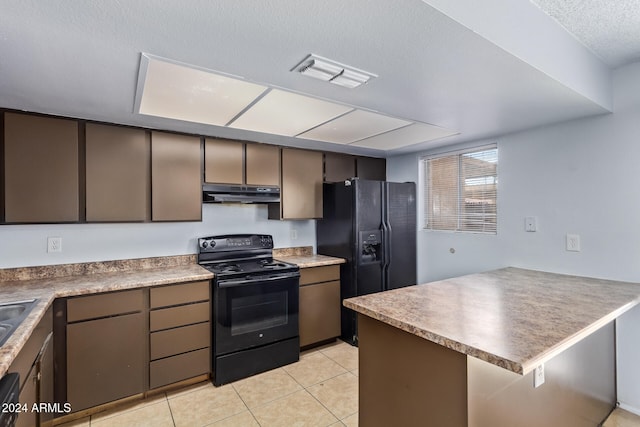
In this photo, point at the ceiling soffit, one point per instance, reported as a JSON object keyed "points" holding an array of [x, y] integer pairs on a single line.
{"points": [[435, 65]]}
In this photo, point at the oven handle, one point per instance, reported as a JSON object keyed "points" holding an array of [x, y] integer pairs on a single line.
{"points": [[243, 282]]}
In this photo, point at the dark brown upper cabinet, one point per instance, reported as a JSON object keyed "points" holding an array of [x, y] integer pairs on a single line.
{"points": [[371, 168], [118, 177], [41, 182], [262, 165], [176, 177], [224, 161], [237, 163], [300, 186], [339, 167]]}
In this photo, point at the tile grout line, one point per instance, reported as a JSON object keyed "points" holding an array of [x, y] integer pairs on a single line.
{"points": [[331, 412], [311, 394], [166, 397], [245, 405]]}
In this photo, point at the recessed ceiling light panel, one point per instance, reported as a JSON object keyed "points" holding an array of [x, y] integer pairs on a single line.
{"points": [[286, 113], [408, 135], [354, 126], [178, 91]]}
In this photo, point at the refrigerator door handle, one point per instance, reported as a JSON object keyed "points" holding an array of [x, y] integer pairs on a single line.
{"points": [[387, 235]]}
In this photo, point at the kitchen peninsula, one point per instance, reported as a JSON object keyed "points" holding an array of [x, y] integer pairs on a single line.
{"points": [[415, 345]]}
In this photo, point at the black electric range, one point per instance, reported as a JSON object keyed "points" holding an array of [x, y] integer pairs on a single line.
{"points": [[255, 305]]}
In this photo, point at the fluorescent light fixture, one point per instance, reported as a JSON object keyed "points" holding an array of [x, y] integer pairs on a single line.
{"points": [[183, 92], [285, 113], [353, 126], [333, 72], [402, 137]]}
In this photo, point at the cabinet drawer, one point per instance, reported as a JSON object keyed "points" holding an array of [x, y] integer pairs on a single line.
{"points": [[183, 293], [103, 305], [319, 274], [166, 318], [178, 368], [180, 340], [319, 312]]}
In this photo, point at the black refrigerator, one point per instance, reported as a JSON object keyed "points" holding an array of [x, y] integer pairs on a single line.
{"points": [[371, 224]]}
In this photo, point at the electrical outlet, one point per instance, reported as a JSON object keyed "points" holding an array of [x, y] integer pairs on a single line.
{"points": [[573, 242], [54, 244], [538, 376], [294, 234], [531, 224]]}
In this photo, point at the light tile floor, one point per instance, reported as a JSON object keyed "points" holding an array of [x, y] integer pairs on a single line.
{"points": [[621, 418], [319, 390]]}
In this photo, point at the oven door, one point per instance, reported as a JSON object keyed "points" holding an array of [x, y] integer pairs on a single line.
{"points": [[251, 312]]}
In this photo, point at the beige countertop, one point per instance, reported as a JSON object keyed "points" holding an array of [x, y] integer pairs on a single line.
{"points": [[47, 283], [512, 318], [306, 261], [47, 289]]}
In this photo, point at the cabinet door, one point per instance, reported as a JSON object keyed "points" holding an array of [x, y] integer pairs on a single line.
{"points": [[118, 173], [45, 367], [176, 183], [105, 360], [223, 161], [319, 312], [41, 169], [371, 168], [29, 396], [263, 165], [301, 192], [339, 167]]}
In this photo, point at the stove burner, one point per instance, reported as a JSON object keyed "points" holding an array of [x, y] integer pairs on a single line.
{"points": [[271, 264], [227, 268]]}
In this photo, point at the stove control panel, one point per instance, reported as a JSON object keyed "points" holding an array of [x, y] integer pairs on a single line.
{"points": [[237, 242]]}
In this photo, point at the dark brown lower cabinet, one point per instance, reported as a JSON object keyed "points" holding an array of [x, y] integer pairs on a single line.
{"points": [[120, 344], [106, 347], [319, 304], [105, 360]]}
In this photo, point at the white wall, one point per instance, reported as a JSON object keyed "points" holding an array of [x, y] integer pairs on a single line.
{"points": [[580, 177], [26, 245]]}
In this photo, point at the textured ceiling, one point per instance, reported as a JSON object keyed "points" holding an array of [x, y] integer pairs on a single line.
{"points": [[81, 59], [610, 28]]}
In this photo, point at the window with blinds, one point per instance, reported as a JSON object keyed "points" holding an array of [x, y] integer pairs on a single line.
{"points": [[461, 191]]}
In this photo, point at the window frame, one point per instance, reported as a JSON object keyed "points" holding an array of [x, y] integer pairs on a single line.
{"points": [[425, 207]]}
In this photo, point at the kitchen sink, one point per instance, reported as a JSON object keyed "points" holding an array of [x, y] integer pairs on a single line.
{"points": [[11, 311], [11, 315]]}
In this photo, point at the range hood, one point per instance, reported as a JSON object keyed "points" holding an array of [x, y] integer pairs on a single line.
{"points": [[212, 193]]}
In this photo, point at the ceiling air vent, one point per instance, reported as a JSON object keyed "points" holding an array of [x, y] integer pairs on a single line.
{"points": [[333, 72]]}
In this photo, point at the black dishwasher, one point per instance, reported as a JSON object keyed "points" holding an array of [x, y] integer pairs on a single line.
{"points": [[9, 393]]}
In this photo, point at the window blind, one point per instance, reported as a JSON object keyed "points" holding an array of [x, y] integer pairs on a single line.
{"points": [[461, 191]]}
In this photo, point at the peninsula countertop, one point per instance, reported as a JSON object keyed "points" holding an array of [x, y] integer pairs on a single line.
{"points": [[513, 318]]}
